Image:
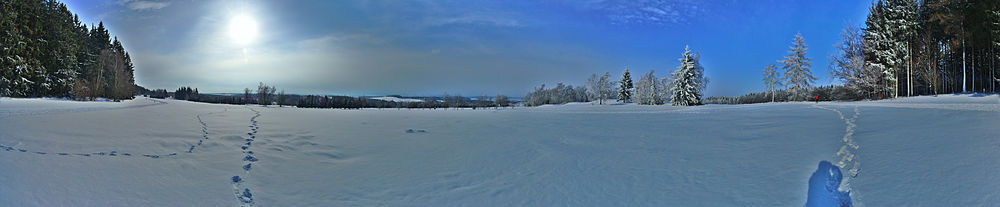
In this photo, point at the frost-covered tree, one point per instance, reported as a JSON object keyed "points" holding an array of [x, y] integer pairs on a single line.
{"points": [[600, 87], [625, 87], [648, 90], [688, 81], [771, 79], [592, 88], [663, 84], [798, 78], [848, 64], [559, 95]]}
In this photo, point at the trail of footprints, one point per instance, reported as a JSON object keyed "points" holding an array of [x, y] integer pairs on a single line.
{"points": [[115, 153], [204, 130], [242, 192], [111, 153], [847, 152]]}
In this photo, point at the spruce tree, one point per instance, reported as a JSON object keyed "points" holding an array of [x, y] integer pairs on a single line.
{"points": [[625, 87], [688, 81], [798, 78], [14, 60], [884, 49]]}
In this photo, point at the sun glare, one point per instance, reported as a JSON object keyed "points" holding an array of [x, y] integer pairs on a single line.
{"points": [[242, 30]]}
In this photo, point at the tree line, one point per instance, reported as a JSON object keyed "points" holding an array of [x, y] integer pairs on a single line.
{"points": [[682, 87], [46, 51], [910, 47], [266, 95], [905, 48]]}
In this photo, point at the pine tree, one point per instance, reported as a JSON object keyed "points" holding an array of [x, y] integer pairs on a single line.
{"points": [[688, 81], [798, 78], [771, 79], [625, 87]]}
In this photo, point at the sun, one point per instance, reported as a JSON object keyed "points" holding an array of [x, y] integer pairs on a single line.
{"points": [[242, 30]]}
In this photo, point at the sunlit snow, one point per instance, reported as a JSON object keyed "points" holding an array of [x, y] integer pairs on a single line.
{"points": [[921, 151]]}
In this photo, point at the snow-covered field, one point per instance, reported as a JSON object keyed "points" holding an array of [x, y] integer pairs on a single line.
{"points": [[921, 151]]}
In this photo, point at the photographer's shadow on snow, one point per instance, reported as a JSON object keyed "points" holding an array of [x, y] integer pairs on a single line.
{"points": [[823, 187]]}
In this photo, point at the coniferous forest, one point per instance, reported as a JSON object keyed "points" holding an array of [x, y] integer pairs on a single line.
{"points": [[911, 47], [906, 48], [46, 51]]}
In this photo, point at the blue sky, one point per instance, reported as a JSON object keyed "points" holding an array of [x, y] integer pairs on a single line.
{"points": [[464, 47]]}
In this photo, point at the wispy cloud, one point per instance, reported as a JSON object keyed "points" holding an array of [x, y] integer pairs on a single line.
{"points": [[340, 39], [647, 11], [476, 19], [144, 5]]}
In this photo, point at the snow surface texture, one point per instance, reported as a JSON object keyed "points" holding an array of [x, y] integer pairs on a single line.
{"points": [[921, 151]]}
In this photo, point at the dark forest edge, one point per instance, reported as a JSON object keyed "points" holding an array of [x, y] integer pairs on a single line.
{"points": [[45, 51]]}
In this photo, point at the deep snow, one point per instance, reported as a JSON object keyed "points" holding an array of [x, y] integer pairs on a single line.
{"points": [[920, 151]]}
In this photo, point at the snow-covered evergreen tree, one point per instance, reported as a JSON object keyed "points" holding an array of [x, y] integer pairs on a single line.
{"points": [[688, 81], [45, 51], [771, 79], [900, 25], [890, 26], [798, 78], [625, 87]]}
